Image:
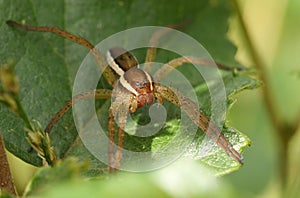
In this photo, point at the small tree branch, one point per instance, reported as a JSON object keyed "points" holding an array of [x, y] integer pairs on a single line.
{"points": [[6, 180]]}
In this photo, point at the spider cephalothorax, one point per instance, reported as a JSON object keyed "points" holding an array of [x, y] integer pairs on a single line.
{"points": [[134, 88], [132, 79]]}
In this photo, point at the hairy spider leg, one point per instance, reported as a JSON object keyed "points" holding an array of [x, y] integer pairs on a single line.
{"points": [[111, 137], [151, 54], [106, 71], [122, 117], [118, 111], [173, 64], [199, 118], [151, 51], [93, 94]]}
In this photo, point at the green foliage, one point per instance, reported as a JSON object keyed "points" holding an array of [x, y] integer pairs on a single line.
{"points": [[184, 183], [45, 66], [48, 177]]}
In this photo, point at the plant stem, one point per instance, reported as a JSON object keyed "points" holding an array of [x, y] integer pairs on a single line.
{"points": [[6, 181], [282, 129]]}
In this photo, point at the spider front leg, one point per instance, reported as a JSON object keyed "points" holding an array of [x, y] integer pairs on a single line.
{"points": [[116, 112], [111, 137], [199, 118], [124, 103], [173, 64], [93, 94], [151, 51], [103, 66]]}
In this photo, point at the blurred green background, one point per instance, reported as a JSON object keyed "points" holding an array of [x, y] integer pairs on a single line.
{"points": [[274, 27]]}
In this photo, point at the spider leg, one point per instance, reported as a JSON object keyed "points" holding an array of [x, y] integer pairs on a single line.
{"points": [[198, 118], [118, 110], [106, 71], [122, 117], [111, 133], [173, 64], [151, 52], [93, 94]]}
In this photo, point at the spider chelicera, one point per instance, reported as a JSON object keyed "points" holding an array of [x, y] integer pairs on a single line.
{"points": [[134, 88]]}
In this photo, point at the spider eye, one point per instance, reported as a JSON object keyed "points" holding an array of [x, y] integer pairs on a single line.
{"points": [[137, 84], [142, 84]]}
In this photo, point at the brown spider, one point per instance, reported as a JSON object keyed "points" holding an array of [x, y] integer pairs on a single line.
{"points": [[135, 88]]}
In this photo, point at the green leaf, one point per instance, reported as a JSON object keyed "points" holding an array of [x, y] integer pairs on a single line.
{"points": [[46, 66], [154, 184], [47, 177]]}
